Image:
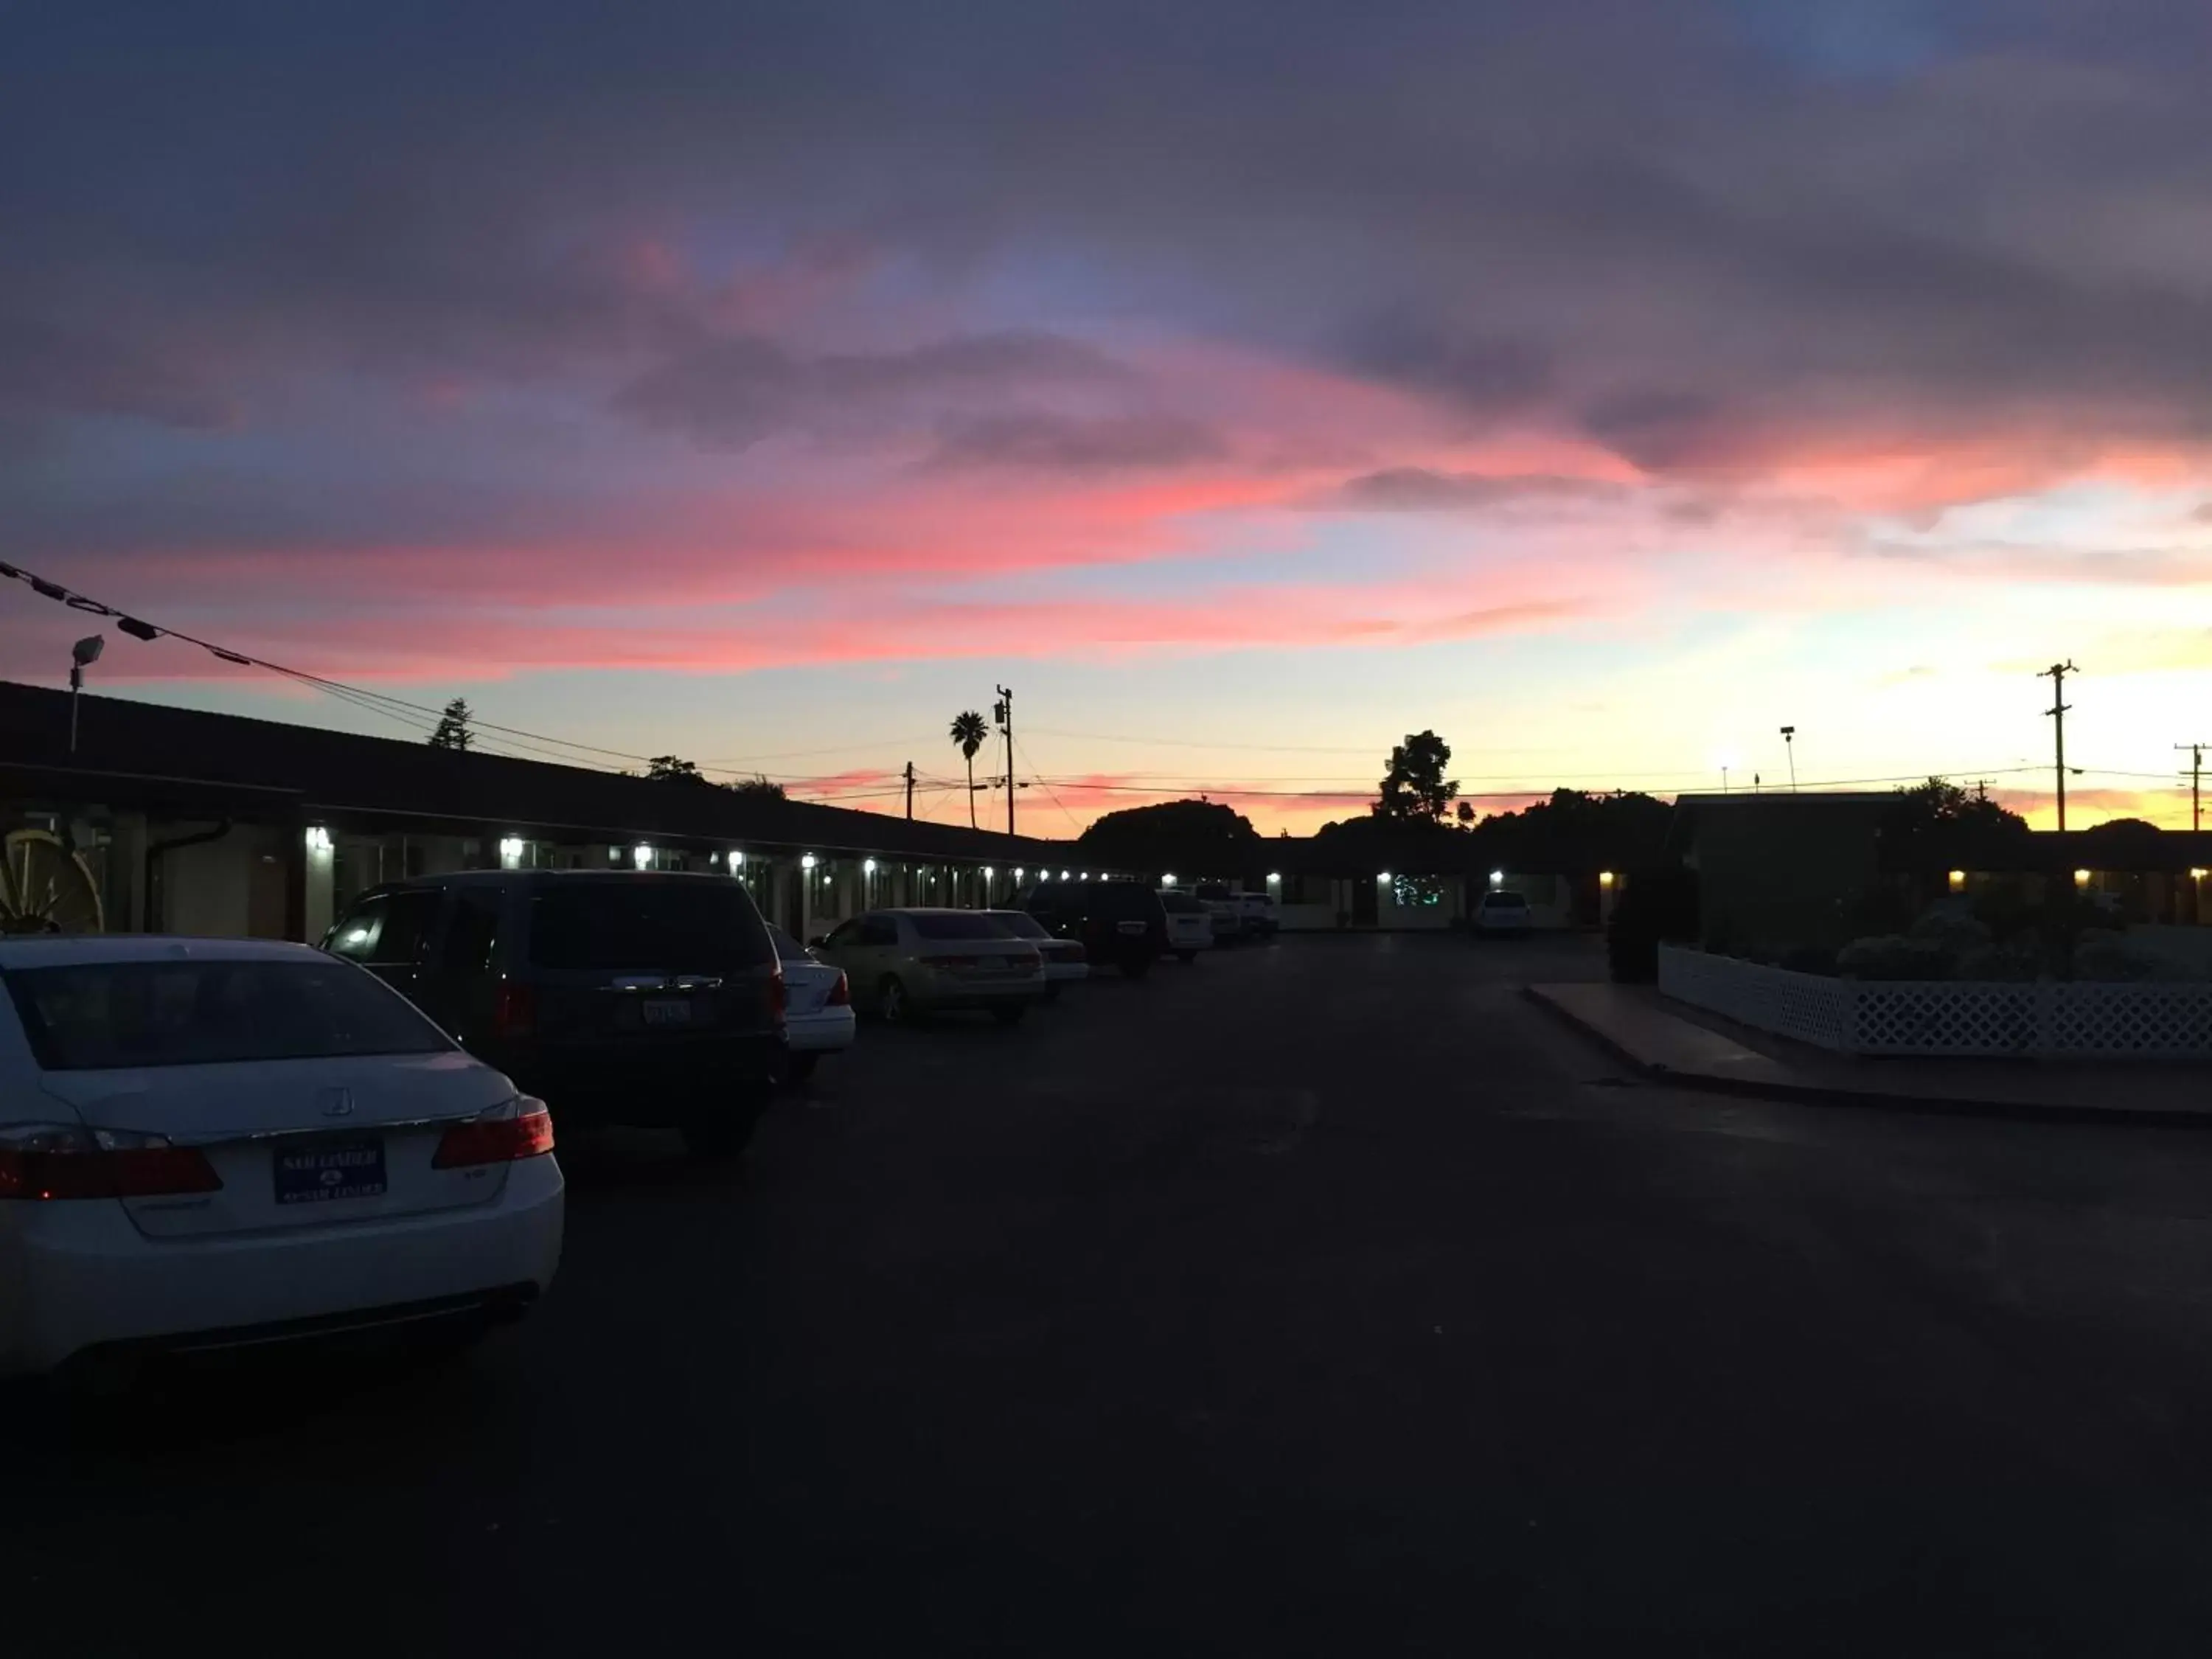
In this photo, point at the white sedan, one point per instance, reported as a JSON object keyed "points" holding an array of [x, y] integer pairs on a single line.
{"points": [[818, 1009], [1066, 961], [206, 1143]]}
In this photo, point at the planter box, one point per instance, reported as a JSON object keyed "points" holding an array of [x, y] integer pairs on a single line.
{"points": [[1948, 1017]]}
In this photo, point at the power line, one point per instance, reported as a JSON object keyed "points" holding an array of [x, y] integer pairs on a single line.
{"points": [[1047, 788], [1498, 794], [417, 717], [1264, 748], [727, 764]]}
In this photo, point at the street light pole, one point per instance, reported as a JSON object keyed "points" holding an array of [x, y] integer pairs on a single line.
{"points": [[1005, 711], [1789, 746], [85, 652]]}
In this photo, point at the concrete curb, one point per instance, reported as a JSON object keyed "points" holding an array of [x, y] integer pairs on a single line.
{"points": [[1819, 1094]]}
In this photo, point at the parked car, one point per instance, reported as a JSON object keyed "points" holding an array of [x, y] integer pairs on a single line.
{"points": [[1503, 912], [1115, 921], [1190, 924], [1221, 906], [818, 1009], [213, 1143], [1255, 916], [1066, 961], [912, 962], [621, 997]]}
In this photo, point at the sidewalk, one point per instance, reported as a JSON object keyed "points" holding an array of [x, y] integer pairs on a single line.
{"points": [[1688, 1048]]}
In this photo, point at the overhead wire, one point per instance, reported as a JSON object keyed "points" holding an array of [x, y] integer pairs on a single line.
{"points": [[1046, 785]]}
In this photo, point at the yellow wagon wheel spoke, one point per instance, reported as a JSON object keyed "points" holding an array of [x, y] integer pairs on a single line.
{"points": [[46, 888]]}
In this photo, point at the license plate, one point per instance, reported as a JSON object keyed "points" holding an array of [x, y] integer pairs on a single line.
{"points": [[330, 1170], [991, 964], [1129, 927], [670, 1012]]}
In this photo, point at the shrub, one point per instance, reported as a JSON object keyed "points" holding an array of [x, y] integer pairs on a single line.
{"points": [[1894, 956]]}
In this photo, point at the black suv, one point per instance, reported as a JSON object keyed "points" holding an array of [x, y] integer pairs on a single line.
{"points": [[616, 997], [1118, 921]]}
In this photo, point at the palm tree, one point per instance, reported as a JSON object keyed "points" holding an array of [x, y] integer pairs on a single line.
{"points": [[969, 732]]}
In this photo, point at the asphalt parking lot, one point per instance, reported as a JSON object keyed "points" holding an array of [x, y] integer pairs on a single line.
{"points": [[1320, 1296]]}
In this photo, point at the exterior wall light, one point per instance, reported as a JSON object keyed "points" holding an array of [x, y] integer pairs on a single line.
{"points": [[2082, 878], [641, 855], [1274, 878], [1605, 878], [319, 839], [806, 862], [867, 866], [1958, 880]]}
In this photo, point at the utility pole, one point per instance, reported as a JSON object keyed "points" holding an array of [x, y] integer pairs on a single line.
{"points": [[1005, 711], [2057, 674], [1789, 746], [2196, 783], [909, 792]]}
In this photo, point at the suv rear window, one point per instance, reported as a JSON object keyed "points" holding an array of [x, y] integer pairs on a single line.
{"points": [[1119, 900], [1019, 925], [1503, 901], [970, 925], [686, 925], [101, 1016], [1181, 904]]}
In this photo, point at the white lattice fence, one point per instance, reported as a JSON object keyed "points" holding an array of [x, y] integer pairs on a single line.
{"points": [[2146, 1022], [1946, 1016], [1936, 1017], [1805, 1006]]}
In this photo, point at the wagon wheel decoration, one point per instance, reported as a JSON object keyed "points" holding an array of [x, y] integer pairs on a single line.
{"points": [[46, 888]]}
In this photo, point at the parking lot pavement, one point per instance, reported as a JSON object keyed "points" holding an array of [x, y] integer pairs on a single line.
{"points": [[1319, 1297]]}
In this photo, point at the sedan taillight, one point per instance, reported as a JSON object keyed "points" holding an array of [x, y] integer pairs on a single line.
{"points": [[841, 993], [521, 1127], [45, 1161]]}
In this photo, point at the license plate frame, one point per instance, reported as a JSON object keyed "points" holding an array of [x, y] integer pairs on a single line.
{"points": [[1129, 927], [329, 1171], [660, 1013]]}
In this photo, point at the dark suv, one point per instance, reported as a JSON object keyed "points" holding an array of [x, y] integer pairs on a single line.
{"points": [[616, 997], [1118, 921]]}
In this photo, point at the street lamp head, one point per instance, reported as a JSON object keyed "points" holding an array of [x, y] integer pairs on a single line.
{"points": [[1788, 732], [86, 651]]}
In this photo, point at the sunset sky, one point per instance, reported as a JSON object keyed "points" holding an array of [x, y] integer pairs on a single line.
{"points": [[1602, 383]]}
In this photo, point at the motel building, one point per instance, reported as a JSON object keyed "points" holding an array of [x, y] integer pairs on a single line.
{"points": [[170, 820]]}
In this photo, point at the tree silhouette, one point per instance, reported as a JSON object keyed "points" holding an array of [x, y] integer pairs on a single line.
{"points": [[759, 785], [969, 732], [452, 730], [1943, 825], [1202, 837], [1415, 787]]}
